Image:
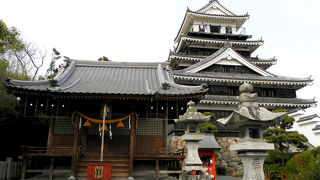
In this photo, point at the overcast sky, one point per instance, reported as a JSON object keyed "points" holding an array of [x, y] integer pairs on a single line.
{"points": [[144, 30]]}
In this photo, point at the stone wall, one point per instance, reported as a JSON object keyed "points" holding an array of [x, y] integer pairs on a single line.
{"points": [[227, 158]]}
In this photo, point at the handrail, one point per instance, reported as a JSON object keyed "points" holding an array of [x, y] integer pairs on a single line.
{"points": [[239, 30]]}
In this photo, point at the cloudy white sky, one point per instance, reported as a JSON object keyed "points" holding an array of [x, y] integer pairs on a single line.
{"points": [[144, 30]]}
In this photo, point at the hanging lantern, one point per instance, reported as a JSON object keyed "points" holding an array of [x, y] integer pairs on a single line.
{"points": [[120, 124], [105, 128], [87, 124]]}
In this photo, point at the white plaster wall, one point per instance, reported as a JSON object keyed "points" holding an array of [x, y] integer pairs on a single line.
{"points": [[215, 11], [305, 128]]}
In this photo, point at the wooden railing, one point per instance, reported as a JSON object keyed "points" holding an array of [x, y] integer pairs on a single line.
{"points": [[159, 151], [44, 151], [10, 170]]}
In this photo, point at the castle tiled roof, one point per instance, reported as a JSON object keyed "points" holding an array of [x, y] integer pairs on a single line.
{"points": [[251, 44], [209, 142], [240, 78], [263, 101], [307, 118], [110, 78]]}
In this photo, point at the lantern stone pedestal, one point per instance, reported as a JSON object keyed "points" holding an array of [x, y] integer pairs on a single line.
{"points": [[251, 120], [192, 168], [252, 154]]}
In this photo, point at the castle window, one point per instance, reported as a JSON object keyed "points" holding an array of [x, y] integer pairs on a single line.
{"points": [[215, 29], [201, 28], [228, 69], [228, 30]]}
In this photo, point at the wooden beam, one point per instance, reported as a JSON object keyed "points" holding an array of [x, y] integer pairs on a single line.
{"points": [[132, 144]]}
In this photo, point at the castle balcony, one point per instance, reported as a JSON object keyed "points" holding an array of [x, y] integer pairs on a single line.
{"points": [[218, 32]]}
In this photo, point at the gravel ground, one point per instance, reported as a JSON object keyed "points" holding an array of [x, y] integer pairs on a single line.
{"points": [[227, 178], [64, 176]]}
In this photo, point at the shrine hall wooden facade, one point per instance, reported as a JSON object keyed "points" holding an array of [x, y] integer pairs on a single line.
{"points": [[146, 89], [211, 48]]}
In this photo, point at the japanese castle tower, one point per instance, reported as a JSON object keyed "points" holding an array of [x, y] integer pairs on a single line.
{"points": [[212, 48]]}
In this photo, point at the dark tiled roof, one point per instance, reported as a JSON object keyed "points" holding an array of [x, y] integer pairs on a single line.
{"points": [[317, 127], [209, 142], [261, 100], [197, 58], [307, 118], [118, 78]]}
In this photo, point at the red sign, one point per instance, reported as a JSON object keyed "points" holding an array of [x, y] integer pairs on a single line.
{"points": [[99, 171]]}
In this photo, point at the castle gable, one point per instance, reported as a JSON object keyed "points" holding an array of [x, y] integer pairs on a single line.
{"points": [[227, 58], [214, 7]]}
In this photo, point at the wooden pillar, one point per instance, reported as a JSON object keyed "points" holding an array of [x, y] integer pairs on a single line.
{"points": [[132, 144], [165, 127], [25, 107], [84, 139], [75, 147], [24, 167], [51, 169], [157, 169], [157, 109], [50, 133]]}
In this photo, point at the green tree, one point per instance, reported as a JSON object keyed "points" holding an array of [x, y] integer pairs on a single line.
{"points": [[282, 140], [9, 39], [53, 70], [104, 58], [24, 59], [208, 126]]}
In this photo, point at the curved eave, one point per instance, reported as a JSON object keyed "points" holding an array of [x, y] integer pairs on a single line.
{"points": [[174, 56], [84, 95], [190, 17], [186, 58], [254, 44], [240, 81], [270, 62]]}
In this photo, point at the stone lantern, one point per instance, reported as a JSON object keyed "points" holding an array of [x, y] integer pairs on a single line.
{"points": [[192, 137], [251, 120]]}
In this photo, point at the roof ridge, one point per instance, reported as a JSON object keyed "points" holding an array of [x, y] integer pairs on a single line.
{"points": [[212, 1]]}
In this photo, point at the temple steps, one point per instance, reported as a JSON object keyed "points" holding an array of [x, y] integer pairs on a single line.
{"points": [[120, 166]]}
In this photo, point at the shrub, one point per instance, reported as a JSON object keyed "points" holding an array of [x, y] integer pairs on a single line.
{"points": [[213, 117], [305, 165], [208, 127]]}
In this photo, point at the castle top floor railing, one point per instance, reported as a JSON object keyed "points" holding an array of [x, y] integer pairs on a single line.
{"points": [[216, 29]]}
